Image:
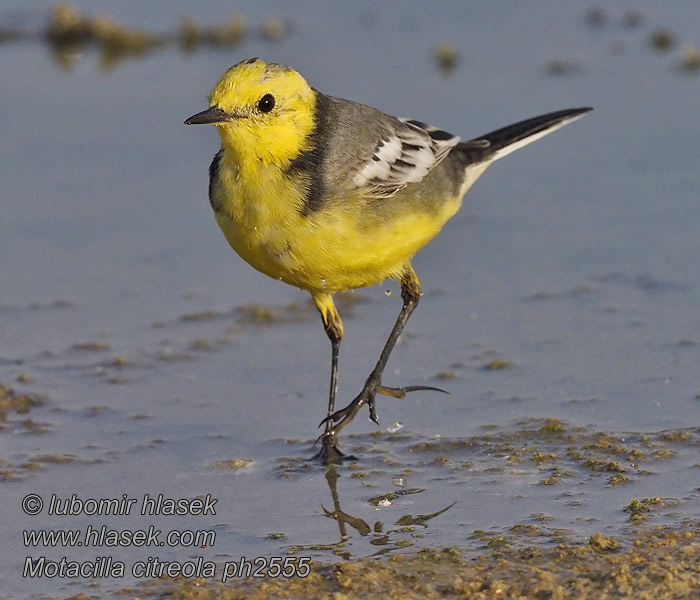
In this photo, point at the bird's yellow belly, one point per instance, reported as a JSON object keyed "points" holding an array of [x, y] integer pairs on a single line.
{"points": [[332, 251]]}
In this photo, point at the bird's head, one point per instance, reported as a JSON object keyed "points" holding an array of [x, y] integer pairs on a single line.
{"points": [[263, 111]]}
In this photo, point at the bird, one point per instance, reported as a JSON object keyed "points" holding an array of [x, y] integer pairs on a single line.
{"points": [[329, 195]]}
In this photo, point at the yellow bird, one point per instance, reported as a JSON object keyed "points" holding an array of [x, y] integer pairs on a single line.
{"points": [[329, 195]]}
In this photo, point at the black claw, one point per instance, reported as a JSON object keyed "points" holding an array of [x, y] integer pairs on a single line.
{"points": [[425, 388], [402, 391], [372, 411], [336, 416]]}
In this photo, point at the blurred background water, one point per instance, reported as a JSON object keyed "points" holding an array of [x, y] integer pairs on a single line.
{"points": [[159, 362]]}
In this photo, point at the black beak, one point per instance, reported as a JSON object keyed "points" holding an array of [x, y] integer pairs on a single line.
{"points": [[212, 115]]}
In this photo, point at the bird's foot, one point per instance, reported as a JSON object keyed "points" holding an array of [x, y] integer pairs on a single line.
{"points": [[330, 454], [340, 418]]}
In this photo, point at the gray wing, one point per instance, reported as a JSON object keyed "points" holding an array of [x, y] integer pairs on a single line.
{"points": [[406, 154], [378, 155]]}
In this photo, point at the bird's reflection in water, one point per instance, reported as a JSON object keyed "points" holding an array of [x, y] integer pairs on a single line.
{"points": [[390, 539]]}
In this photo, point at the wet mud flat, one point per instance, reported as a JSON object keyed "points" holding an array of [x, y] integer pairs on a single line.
{"points": [[580, 541], [654, 564], [525, 508]]}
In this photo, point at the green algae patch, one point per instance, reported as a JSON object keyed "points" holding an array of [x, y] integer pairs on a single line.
{"points": [[14, 402], [598, 541], [233, 464], [498, 365], [639, 509]]}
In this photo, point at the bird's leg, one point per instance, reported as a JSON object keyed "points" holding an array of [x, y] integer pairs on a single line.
{"points": [[334, 329], [410, 293]]}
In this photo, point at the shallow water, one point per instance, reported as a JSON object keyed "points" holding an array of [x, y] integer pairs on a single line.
{"points": [[159, 363]]}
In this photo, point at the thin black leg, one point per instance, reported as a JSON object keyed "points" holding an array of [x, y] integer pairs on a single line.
{"points": [[334, 330], [410, 293]]}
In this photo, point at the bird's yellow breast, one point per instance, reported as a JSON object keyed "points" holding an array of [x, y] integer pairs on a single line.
{"points": [[348, 243]]}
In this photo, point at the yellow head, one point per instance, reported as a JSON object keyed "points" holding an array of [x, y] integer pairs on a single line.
{"points": [[264, 112]]}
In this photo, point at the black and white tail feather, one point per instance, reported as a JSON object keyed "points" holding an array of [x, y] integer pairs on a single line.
{"points": [[413, 149], [479, 153], [513, 137]]}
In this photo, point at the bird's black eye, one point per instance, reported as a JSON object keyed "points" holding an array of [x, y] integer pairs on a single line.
{"points": [[266, 103]]}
